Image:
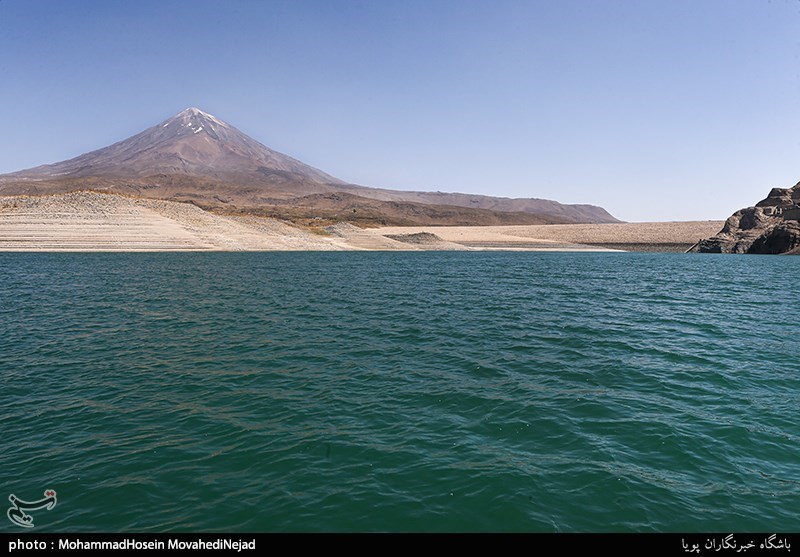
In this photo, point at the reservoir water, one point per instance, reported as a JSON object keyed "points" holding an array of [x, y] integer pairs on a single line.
{"points": [[401, 391]]}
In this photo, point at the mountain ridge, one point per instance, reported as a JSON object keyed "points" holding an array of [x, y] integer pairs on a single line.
{"points": [[197, 157]]}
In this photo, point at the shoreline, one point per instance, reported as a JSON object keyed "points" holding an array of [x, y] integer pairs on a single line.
{"points": [[99, 222], [669, 236]]}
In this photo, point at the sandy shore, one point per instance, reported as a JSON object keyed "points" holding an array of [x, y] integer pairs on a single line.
{"points": [[639, 236], [90, 221]]}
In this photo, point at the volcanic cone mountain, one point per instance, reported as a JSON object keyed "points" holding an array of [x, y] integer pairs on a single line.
{"points": [[191, 143], [197, 157]]}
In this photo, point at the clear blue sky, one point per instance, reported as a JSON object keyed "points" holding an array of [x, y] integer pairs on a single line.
{"points": [[656, 110]]}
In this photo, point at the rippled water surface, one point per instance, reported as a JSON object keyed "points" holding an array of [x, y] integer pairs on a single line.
{"points": [[401, 391]]}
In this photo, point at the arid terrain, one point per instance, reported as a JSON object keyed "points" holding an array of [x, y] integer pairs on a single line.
{"points": [[92, 221], [639, 236]]}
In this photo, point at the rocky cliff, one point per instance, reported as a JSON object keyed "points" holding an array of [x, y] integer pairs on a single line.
{"points": [[772, 226]]}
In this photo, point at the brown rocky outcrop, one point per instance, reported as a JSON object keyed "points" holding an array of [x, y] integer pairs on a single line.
{"points": [[771, 227]]}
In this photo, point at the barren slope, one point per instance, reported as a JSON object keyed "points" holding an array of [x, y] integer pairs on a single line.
{"points": [[89, 221]]}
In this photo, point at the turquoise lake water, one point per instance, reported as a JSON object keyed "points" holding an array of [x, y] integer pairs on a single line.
{"points": [[401, 391]]}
